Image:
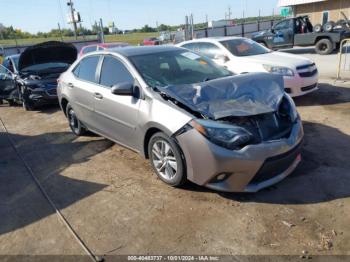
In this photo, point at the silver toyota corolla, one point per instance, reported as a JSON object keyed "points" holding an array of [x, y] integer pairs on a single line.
{"points": [[193, 119]]}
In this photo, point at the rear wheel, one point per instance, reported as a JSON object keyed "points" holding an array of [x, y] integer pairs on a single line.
{"points": [[74, 123], [324, 47], [166, 159]]}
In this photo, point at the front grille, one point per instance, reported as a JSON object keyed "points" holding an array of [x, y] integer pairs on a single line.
{"points": [[308, 74], [276, 165], [266, 127], [307, 70], [307, 88], [52, 92]]}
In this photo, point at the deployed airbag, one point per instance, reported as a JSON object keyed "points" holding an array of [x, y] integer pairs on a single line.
{"points": [[241, 95]]}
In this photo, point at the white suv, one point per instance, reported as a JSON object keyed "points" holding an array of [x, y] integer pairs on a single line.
{"points": [[242, 55]]}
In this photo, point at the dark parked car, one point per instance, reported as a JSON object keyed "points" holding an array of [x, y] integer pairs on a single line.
{"points": [[32, 80], [299, 31]]}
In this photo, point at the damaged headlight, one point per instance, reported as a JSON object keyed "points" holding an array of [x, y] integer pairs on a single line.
{"points": [[225, 135], [279, 70], [287, 107]]}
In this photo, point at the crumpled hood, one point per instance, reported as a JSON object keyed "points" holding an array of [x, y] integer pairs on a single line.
{"points": [[241, 95], [47, 52]]}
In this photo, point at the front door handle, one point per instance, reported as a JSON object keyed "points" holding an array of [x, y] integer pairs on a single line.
{"points": [[98, 96], [70, 85]]}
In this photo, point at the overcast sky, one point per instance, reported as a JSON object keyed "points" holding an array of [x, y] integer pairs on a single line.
{"points": [[42, 15]]}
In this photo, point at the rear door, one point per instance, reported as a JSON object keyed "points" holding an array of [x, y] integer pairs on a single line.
{"points": [[283, 33], [82, 89], [116, 115], [7, 84]]}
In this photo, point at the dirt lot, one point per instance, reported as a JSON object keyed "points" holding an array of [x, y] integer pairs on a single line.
{"points": [[115, 203]]}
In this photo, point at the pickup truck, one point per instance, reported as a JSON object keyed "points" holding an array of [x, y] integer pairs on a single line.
{"points": [[298, 31]]}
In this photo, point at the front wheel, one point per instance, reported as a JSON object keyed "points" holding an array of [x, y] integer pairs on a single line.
{"points": [[166, 159], [324, 47], [27, 105], [74, 123]]}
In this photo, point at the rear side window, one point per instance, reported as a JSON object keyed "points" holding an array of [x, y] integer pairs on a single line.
{"points": [[190, 46], [114, 72], [86, 69], [208, 49], [89, 49]]}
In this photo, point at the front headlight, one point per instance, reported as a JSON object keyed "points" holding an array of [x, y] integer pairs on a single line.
{"points": [[279, 70], [287, 107], [225, 135]]}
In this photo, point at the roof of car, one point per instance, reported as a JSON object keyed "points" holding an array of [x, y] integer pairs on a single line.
{"points": [[142, 50]]}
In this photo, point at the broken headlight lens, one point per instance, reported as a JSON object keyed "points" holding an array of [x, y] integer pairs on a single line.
{"points": [[287, 106], [225, 135], [279, 70]]}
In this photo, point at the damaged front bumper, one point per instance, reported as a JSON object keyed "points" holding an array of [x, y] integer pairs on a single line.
{"points": [[41, 96], [249, 169]]}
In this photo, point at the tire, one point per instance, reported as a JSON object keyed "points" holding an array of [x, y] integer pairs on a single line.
{"points": [[74, 123], [328, 27], [169, 166], [318, 28], [12, 103], [324, 47], [27, 105]]}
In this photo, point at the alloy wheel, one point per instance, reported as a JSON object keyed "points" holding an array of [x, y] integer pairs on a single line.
{"points": [[164, 159]]}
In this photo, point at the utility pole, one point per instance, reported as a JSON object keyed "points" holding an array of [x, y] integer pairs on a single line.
{"points": [[229, 13], [71, 6], [59, 29], [102, 33]]}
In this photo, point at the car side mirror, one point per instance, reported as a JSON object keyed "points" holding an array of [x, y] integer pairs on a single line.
{"points": [[221, 58], [123, 89]]}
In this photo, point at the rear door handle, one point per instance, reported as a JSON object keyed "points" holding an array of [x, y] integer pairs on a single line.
{"points": [[70, 85], [98, 96]]}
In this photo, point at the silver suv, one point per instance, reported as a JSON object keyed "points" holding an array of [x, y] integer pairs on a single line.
{"points": [[193, 119]]}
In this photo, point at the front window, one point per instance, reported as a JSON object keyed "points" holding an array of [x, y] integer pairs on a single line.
{"points": [[179, 67], [244, 47], [285, 24]]}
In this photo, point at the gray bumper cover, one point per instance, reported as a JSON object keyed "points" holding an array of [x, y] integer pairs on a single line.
{"points": [[206, 160]]}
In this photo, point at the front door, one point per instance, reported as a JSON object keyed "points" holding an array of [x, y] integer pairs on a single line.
{"points": [[283, 33], [116, 115]]}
